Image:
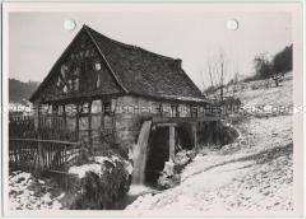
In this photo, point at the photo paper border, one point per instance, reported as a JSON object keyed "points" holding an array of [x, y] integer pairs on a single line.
{"points": [[294, 8]]}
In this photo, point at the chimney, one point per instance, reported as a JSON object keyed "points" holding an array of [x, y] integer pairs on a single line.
{"points": [[178, 63]]}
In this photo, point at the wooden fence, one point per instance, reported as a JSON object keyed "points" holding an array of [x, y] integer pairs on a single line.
{"points": [[49, 127], [39, 155], [22, 127], [49, 147]]}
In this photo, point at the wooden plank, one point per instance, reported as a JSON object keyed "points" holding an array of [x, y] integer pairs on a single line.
{"points": [[63, 143], [176, 120], [185, 119], [90, 125], [165, 124]]}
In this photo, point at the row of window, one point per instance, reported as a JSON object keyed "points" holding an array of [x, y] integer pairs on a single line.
{"points": [[105, 106], [176, 110], [96, 106]]}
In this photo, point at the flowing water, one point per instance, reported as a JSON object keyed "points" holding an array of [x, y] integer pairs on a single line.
{"points": [[141, 154]]}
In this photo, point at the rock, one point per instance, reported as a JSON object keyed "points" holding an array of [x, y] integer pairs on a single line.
{"points": [[20, 179], [169, 169], [169, 176]]}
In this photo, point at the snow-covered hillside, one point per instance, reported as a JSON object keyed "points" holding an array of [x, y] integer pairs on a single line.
{"points": [[254, 173]]}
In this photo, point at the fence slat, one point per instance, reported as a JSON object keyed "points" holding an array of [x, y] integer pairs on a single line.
{"points": [[33, 154], [48, 147]]}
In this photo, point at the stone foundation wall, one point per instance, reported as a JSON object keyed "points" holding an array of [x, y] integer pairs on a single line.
{"points": [[130, 113]]}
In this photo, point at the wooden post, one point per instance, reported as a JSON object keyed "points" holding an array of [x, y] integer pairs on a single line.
{"points": [[54, 120], [64, 116], [102, 115], [40, 153], [90, 136], [194, 135], [36, 115], [171, 142], [77, 116]]}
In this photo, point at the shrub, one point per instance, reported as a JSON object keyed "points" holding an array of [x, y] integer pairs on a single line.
{"points": [[229, 105], [216, 134], [263, 68], [282, 61], [101, 183]]}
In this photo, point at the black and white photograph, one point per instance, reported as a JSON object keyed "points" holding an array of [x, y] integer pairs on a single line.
{"points": [[152, 109]]}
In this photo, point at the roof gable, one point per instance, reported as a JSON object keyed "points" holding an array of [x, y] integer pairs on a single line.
{"points": [[134, 70], [80, 77]]}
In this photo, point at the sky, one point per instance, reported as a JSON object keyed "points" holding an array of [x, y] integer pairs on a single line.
{"points": [[197, 36]]}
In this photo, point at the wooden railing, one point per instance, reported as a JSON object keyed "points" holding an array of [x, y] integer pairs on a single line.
{"points": [[37, 155]]}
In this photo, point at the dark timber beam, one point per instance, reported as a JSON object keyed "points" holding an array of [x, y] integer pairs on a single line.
{"points": [[171, 142], [166, 124], [194, 136]]}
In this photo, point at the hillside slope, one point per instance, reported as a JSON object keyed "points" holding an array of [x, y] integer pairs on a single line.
{"points": [[254, 173], [20, 92]]}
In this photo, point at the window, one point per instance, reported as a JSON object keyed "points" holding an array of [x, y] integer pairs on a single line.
{"points": [[70, 84], [76, 71], [98, 81], [96, 106], [55, 109], [65, 89], [76, 88], [202, 112], [58, 83], [87, 53], [107, 107], [84, 108], [81, 53], [64, 70], [98, 66], [193, 111], [175, 110]]}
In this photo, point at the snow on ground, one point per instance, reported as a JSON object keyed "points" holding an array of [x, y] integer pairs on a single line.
{"points": [[81, 171], [30, 193], [272, 97], [27, 192], [254, 173], [98, 167], [258, 177]]}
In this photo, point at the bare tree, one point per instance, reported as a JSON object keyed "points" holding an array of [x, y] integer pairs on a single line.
{"points": [[209, 68], [203, 82], [221, 82], [216, 70]]}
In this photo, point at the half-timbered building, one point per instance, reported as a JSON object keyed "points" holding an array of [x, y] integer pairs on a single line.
{"points": [[101, 87]]}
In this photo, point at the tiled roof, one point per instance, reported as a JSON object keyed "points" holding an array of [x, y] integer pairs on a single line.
{"points": [[141, 72]]}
